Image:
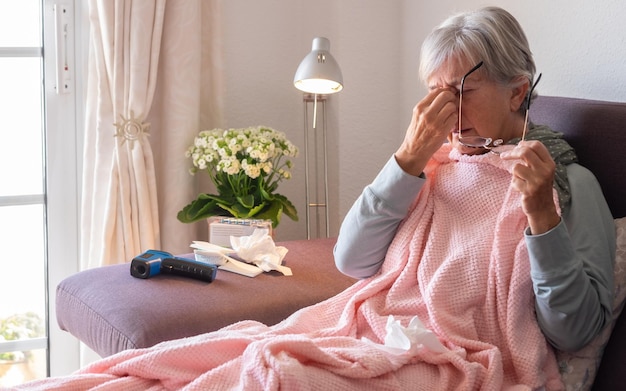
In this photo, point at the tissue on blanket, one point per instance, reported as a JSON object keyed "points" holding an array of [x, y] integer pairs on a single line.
{"points": [[465, 274], [410, 337], [403, 340], [260, 249]]}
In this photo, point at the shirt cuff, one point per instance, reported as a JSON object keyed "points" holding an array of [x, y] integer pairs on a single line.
{"points": [[551, 252]]}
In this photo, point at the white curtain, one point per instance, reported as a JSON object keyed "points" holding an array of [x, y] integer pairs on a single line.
{"points": [[188, 99], [151, 85]]}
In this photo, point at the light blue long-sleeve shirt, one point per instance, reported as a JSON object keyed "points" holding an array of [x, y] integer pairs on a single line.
{"points": [[571, 266]]}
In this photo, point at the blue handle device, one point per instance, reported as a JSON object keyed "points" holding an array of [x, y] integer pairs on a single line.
{"points": [[153, 262]]}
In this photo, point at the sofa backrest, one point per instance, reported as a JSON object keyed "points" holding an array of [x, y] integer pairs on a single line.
{"points": [[597, 130]]}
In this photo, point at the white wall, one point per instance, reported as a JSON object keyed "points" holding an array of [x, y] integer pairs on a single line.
{"points": [[579, 47]]}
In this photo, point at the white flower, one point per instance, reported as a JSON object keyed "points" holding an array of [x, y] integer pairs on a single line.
{"points": [[266, 167], [251, 152], [251, 170]]}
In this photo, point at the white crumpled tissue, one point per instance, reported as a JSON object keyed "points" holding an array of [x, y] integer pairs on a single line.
{"points": [[260, 250], [400, 339]]}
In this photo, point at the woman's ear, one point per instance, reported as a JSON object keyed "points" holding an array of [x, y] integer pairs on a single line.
{"points": [[518, 93]]}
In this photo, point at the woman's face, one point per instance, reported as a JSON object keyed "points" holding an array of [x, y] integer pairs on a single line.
{"points": [[489, 109]]}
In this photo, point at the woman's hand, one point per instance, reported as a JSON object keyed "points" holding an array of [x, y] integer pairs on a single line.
{"points": [[433, 119], [533, 176]]}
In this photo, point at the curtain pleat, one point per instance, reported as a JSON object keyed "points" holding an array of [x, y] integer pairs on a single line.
{"points": [[120, 208]]}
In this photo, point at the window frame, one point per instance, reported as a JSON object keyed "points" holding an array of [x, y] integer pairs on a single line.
{"points": [[63, 119]]}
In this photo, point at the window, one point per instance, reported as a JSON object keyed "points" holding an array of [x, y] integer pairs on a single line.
{"points": [[38, 196]]}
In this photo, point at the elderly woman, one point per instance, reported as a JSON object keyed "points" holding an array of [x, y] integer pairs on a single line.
{"points": [[479, 71]]}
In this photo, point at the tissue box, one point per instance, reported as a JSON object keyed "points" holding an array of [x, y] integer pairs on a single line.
{"points": [[222, 228]]}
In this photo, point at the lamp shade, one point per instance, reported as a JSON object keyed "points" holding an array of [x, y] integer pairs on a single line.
{"points": [[318, 72]]}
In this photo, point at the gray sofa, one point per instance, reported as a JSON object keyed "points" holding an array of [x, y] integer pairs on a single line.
{"points": [[111, 311]]}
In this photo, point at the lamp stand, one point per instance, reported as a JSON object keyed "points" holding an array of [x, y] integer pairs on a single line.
{"points": [[316, 198]]}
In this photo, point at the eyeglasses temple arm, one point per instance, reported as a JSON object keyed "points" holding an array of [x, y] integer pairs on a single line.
{"points": [[480, 64], [530, 94]]}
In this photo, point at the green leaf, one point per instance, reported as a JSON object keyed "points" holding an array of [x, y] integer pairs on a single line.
{"points": [[236, 210], [288, 208], [254, 211], [241, 212], [272, 212], [202, 207], [246, 201], [265, 194]]}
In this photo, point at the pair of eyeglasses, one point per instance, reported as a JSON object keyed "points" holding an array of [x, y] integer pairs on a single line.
{"points": [[488, 142]]}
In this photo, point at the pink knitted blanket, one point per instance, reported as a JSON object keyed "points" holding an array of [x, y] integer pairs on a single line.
{"points": [[458, 262]]}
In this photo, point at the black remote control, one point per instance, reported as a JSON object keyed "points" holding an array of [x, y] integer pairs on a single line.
{"points": [[189, 268]]}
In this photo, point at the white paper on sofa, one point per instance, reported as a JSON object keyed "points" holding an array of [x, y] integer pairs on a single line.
{"points": [[260, 250], [218, 255]]}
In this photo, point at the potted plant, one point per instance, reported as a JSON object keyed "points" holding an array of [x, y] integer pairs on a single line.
{"points": [[245, 165]]}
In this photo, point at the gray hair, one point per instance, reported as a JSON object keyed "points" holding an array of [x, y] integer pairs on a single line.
{"points": [[489, 34]]}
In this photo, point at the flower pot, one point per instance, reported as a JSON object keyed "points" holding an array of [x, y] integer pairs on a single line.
{"points": [[221, 228]]}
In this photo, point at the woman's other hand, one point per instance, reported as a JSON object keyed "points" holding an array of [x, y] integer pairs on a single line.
{"points": [[533, 176]]}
